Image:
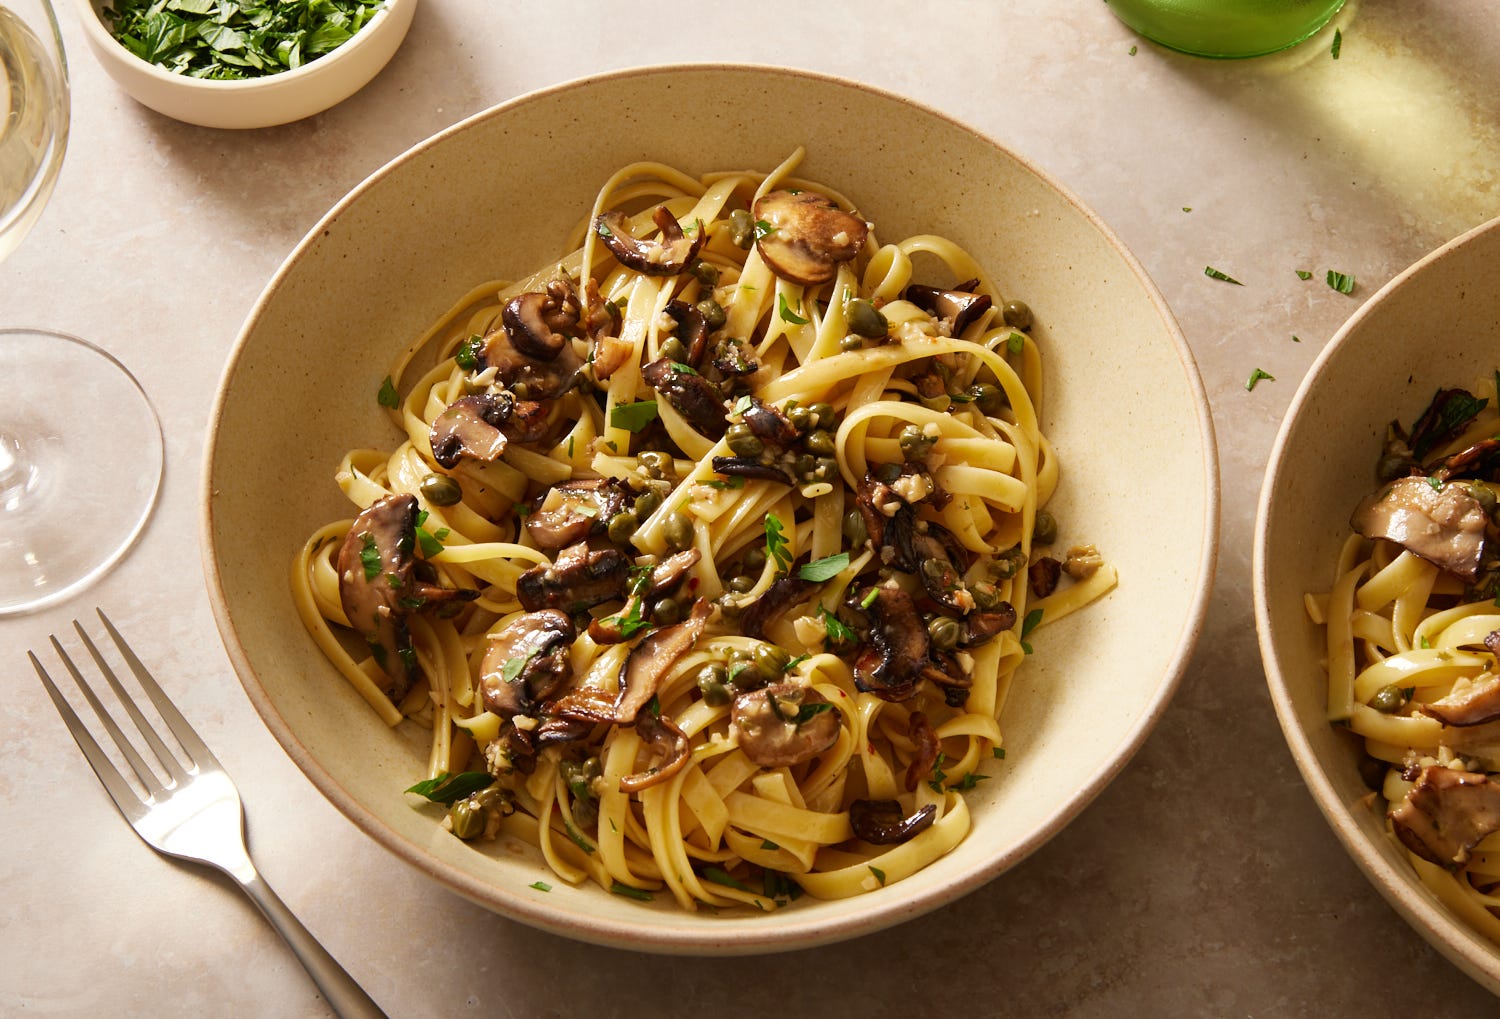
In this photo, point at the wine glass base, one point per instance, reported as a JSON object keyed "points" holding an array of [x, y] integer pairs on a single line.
{"points": [[81, 458]]}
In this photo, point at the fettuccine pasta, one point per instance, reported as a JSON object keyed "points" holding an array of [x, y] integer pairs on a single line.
{"points": [[707, 553], [1412, 625]]}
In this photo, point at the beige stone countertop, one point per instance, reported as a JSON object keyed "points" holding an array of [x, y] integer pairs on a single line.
{"points": [[1203, 881]]}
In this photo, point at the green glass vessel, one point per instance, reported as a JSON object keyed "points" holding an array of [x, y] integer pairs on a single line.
{"points": [[1226, 28]]}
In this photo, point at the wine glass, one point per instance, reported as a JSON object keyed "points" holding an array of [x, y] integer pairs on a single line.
{"points": [[80, 445]]}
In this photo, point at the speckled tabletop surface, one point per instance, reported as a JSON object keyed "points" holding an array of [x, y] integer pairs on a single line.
{"points": [[1202, 881]]}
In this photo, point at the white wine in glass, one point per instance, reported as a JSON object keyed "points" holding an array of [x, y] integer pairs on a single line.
{"points": [[80, 445]]}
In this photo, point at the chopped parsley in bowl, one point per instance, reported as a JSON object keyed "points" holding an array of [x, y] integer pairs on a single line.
{"points": [[243, 63]]}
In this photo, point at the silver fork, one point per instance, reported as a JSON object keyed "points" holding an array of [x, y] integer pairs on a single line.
{"points": [[195, 814]]}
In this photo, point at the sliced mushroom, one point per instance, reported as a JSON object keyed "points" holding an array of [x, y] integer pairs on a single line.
{"points": [[1044, 573], [664, 579], [981, 627], [649, 660], [957, 307], [882, 822], [378, 588], [768, 423], [1446, 814], [930, 551], [1473, 462], [668, 255], [690, 394], [530, 348], [806, 236], [671, 748], [1468, 703], [892, 668], [573, 510], [750, 467], [1442, 523], [577, 580], [926, 746], [526, 662], [783, 724], [692, 330], [600, 320], [470, 429], [779, 597]]}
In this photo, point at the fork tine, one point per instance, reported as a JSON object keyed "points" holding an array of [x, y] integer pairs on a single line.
{"points": [[119, 790], [163, 753], [143, 771], [186, 735]]}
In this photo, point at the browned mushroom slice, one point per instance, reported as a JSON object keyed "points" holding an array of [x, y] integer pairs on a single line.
{"points": [[892, 668], [930, 551], [690, 394], [1474, 462], [926, 749], [692, 330], [664, 579], [530, 347], [783, 724], [669, 745], [958, 308], [1446, 814], [1044, 573], [981, 627], [526, 662], [882, 823], [806, 236], [750, 467], [668, 255], [577, 580], [573, 510], [1442, 523], [779, 597], [649, 660], [377, 588], [599, 322], [768, 423], [1472, 703], [470, 429]]}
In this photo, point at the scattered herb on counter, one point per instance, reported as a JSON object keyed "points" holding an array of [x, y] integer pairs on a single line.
{"points": [[1341, 282], [1215, 274], [1303, 274], [232, 39], [1132, 51], [1296, 338], [1187, 208], [1256, 376], [1338, 43]]}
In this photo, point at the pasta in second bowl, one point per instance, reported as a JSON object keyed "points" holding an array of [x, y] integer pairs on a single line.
{"points": [[504, 477]]}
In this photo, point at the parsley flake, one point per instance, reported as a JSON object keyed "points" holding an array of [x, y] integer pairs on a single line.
{"points": [[388, 396], [449, 789], [787, 314], [826, 568], [633, 416], [1303, 274], [540, 886], [1215, 274], [369, 557], [1255, 377], [1338, 43], [879, 874], [776, 544], [1342, 282]]}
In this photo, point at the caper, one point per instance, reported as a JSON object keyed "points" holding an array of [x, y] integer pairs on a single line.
{"points": [[938, 569], [986, 595], [914, 442], [803, 466], [770, 660], [441, 490], [712, 312], [855, 531], [673, 350], [1388, 699], [467, 818], [741, 583], [820, 442], [825, 468], [622, 527], [800, 417], [741, 228], [865, 319], [1044, 529], [657, 464], [666, 611], [742, 441], [1392, 466], [755, 559], [852, 342], [823, 415], [945, 632], [938, 401], [1017, 315], [744, 674], [647, 503], [1484, 495], [704, 272], [713, 684], [678, 530], [990, 399], [1010, 562]]}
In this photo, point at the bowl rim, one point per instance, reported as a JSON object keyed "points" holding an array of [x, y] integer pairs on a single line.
{"points": [[793, 931], [1468, 949], [103, 41]]}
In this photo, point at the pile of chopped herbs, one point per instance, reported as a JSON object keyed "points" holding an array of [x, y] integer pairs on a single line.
{"points": [[232, 39]]}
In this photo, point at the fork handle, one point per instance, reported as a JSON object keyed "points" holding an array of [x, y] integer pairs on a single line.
{"points": [[347, 999]]}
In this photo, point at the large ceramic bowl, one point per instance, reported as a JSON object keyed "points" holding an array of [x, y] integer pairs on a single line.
{"points": [[493, 197], [1436, 325], [253, 102]]}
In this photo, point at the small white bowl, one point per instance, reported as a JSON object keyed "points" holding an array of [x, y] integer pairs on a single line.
{"points": [[1435, 325], [253, 102]]}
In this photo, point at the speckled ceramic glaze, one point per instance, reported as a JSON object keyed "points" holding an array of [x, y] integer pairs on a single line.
{"points": [[493, 197], [254, 102], [1436, 325]]}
